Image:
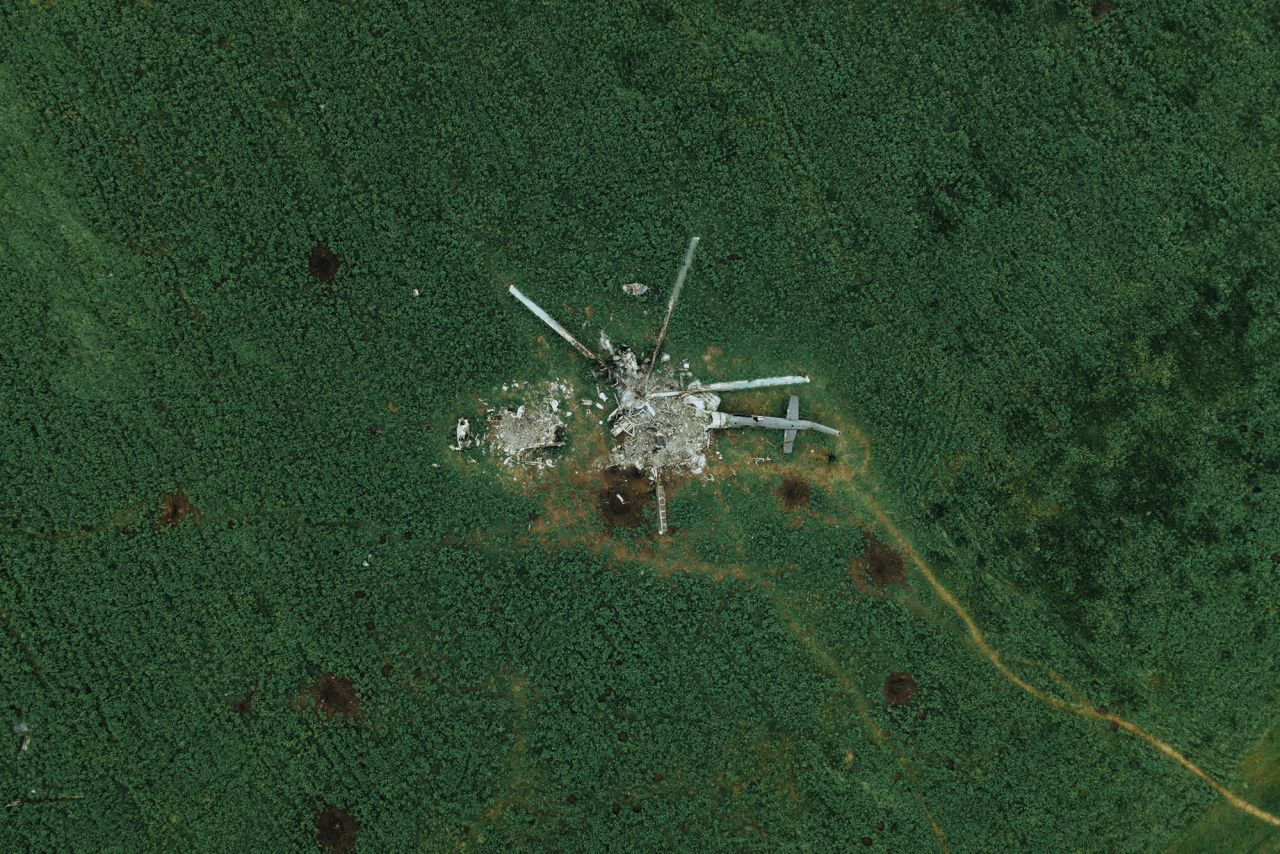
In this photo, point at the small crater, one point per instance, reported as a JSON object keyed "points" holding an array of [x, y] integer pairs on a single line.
{"points": [[174, 509], [899, 688], [881, 563], [335, 696], [323, 263], [622, 499], [336, 829], [794, 493]]}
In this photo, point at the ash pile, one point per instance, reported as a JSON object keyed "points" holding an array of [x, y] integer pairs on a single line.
{"points": [[658, 423]]}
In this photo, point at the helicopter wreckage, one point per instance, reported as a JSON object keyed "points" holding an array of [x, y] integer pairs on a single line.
{"points": [[663, 420]]}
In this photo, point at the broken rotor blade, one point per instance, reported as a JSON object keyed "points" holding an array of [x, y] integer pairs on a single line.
{"points": [[735, 385], [550, 321], [661, 494], [671, 304], [721, 420]]}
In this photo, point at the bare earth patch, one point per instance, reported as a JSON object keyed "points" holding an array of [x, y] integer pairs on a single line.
{"points": [[899, 688], [335, 696], [336, 829]]}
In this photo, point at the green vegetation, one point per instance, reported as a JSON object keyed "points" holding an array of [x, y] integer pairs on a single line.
{"points": [[1028, 250]]}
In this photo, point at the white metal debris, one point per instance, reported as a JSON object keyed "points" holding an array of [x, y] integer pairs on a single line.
{"points": [[463, 435], [635, 289]]}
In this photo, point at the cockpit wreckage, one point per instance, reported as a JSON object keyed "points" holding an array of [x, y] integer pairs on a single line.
{"points": [[663, 420]]}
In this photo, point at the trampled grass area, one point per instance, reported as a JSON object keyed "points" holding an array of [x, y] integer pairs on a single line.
{"points": [[1028, 253]]}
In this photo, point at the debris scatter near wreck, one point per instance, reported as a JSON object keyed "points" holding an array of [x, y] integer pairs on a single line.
{"points": [[527, 434]]}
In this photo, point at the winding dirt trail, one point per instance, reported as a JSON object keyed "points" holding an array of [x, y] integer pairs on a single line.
{"points": [[1079, 709]]}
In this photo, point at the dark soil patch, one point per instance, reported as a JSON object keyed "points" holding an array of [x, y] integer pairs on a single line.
{"points": [[623, 497], [899, 688], [244, 705], [335, 696], [323, 263], [794, 493], [336, 829], [174, 508], [1100, 8], [882, 563]]}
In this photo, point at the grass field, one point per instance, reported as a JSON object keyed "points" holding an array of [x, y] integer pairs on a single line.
{"points": [[254, 261]]}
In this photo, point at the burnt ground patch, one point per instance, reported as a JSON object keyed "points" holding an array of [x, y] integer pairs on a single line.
{"points": [[899, 688], [323, 263], [623, 497], [336, 829], [335, 696], [174, 508], [794, 493], [881, 564]]}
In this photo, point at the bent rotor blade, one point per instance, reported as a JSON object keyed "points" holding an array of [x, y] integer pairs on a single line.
{"points": [[671, 304], [550, 321]]}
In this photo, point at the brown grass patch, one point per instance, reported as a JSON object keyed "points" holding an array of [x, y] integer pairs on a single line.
{"points": [[881, 564], [794, 492], [336, 829], [244, 705], [899, 688], [174, 509], [335, 696], [323, 263]]}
